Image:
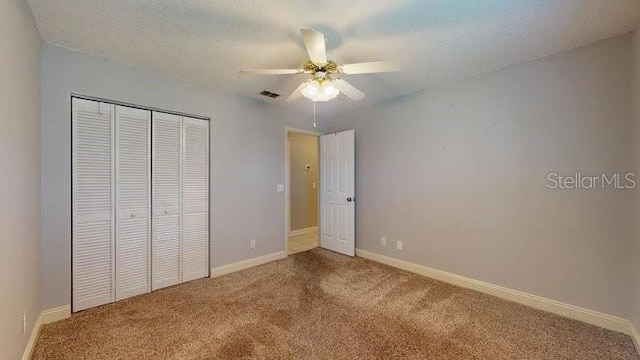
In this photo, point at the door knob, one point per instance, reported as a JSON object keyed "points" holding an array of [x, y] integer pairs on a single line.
{"points": [[349, 199]]}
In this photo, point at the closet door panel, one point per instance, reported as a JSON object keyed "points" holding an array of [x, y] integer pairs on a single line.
{"points": [[92, 225], [195, 199], [196, 247], [166, 234], [132, 240]]}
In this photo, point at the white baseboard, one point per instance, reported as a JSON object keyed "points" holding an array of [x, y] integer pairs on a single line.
{"points": [[33, 339], [46, 317], [298, 232], [635, 336], [245, 264], [56, 314], [574, 312]]}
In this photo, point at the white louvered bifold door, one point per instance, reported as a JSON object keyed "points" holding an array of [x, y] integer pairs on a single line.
{"points": [[92, 210], [166, 188], [195, 173], [133, 157]]}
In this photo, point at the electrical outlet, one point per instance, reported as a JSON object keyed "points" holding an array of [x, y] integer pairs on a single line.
{"points": [[383, 241], [399, 245], [252, 243], [24, 322]]}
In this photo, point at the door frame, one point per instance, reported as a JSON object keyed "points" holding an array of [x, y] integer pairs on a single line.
{"points": [[287, 179]]}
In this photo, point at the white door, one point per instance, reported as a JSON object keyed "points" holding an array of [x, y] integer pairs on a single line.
{"points": [[337, 195], [133, 176], [167, 211], [195, 198], [92, 205]]}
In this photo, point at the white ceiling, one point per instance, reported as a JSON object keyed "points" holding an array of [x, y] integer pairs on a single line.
{"points": [[436, 41]]}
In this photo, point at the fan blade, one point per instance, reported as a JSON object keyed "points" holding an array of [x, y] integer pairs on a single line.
{"points": [[314, 42], [253, 72], [369, 67], [348, 90], [296, 94]]}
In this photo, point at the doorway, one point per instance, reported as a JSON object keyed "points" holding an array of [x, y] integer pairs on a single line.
{"points": [[302, 184]]}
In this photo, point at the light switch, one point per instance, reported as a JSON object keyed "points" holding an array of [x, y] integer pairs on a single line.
{"points": [[280, 188], [313, 185]]}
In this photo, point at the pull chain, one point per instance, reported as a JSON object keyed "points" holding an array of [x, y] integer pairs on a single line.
{"points": [[314, 125]]}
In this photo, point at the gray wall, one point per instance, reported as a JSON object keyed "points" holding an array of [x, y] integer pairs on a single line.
{"points": [[459, 174], [303, 151], [247, 158], [635, 245], [20, 175]]}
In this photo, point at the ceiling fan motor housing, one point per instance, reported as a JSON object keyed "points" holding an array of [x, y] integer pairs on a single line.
{"points": [[329, 67], [321, 73]]}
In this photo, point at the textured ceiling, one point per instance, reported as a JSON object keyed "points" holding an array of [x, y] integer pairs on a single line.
{"points": [[436, 41]]}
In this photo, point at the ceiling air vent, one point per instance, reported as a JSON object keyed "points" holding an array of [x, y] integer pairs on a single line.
{"points": [[269, 94]]}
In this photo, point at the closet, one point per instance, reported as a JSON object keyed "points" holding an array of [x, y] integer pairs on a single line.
{"points": [[140, 201]]}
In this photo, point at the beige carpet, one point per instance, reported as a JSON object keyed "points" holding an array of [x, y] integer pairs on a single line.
{"points": [[321, 305]]}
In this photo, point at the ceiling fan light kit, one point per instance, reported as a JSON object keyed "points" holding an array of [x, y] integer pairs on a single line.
{"points": [[320, 90], [322, 86]]}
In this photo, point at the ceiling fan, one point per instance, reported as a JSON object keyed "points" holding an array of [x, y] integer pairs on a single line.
{"points": [[325, 83]]}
